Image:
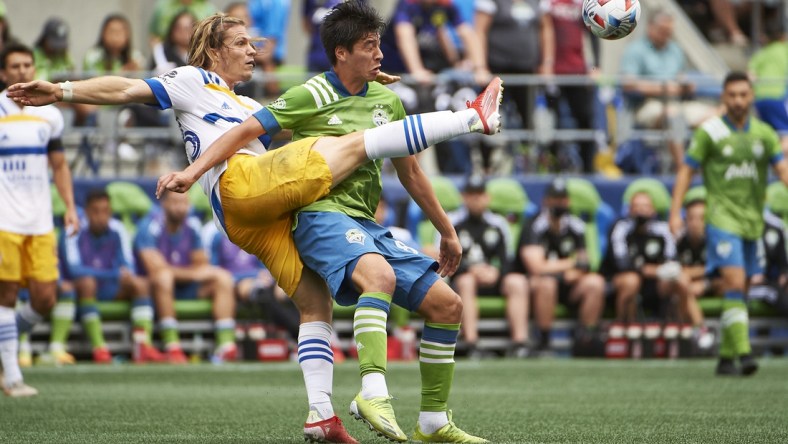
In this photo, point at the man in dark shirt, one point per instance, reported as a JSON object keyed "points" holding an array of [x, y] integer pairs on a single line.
{"points": [[553, 250], [485, 268], [772, 286]]}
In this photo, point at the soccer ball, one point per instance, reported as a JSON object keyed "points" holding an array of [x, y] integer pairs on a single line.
{"points": [[611, 19]]}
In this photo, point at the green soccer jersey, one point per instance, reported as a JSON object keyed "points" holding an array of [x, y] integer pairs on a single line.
{"points": [[323, 107], [735, 170]]}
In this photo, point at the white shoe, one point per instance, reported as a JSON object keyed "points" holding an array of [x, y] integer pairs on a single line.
{"points": [[19, 390]]}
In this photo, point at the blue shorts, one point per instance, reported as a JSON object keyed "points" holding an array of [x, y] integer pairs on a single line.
{"points": [[332, 243], [187, 292], [107, 289], [774, 112], [725, 249]]}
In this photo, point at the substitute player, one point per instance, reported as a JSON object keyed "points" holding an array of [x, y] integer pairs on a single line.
{"points": [[29, 141], [252, 195], [733, 152]]}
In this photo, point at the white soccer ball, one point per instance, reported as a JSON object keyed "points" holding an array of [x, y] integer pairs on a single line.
{"points": [[611, 19]]}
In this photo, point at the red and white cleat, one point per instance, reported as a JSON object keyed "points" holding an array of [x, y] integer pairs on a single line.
{"points": [[326, 430], [225, 353], [175, 355], [148, 353], [101, 355], [487, 104]]}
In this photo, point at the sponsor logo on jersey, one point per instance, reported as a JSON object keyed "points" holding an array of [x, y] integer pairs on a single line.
{"points": [[745, 170], [355, 236], [727, 151], [167, 76], [724, 249], [757, 149], [334, 120], [379, 115], [278, 104]]}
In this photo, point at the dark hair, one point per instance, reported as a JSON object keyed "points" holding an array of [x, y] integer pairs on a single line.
{"points": [[736, 76], [694, 202], [14, 47], [125, 53], [96, 194], [175, 19], [348, 23]]}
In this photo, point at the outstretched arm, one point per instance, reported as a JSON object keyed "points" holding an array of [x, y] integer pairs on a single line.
{"points": [[683, 179], [106, 90]]}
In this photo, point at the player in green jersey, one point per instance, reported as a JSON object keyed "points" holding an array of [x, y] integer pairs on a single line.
{"points": [[734, 152]]}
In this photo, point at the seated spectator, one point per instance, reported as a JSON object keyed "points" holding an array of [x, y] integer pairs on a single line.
{"points": [[384, 216], [166, 10], [169, 251], [113, 52], [652, 72], [5, 34], [173, 50], [640, 261], [485, 269], [552, 248], [254, 285], [771, 287], [312, 15], [98, 266], [769, 69], [718, 19], [269, 20], [691, 254]]}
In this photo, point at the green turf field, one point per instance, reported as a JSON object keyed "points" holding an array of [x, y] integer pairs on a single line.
{"points": [[555, 401]]}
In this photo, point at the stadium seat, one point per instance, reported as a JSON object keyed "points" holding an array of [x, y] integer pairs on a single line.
{"points": [[586, 204], [450, 199], [295, 75], [654, 188], [198, 309], [695, 193], [777, 200], [201, 206], [509, 199], [129, 203], [58, 208]]}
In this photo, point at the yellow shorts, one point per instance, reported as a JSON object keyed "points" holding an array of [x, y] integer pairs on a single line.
{"points": [[259, 195], [24, 257]]}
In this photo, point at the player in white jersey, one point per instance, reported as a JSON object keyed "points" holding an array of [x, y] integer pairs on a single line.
{"points": [[29, 142]]}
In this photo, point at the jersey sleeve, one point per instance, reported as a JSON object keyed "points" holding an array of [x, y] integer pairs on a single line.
{"points": [[147, 237], [289, 110], [698, 149], [126, 256], [772, 142], [176, 88]]}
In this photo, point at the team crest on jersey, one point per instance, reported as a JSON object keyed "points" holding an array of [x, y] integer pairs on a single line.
{"points": [[757, 149], [724, 249], [771, 238], [727, 151], [355, 236], [491, 236], [279, 103], [567, 246], [652, 248], [379, 115], [190, 138]]}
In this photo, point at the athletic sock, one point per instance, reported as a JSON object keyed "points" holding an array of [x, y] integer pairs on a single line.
{"points": [[142, 317], [436, 362], [225, 331], [169, 333], [369, 331], [735, 321], [26, 318], [62, 318], [416, 133], [9, 347], [91, 321], [317, 364]]}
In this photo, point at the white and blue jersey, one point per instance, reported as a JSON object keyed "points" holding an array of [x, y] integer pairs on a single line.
{"points": [[27, 136], [205, 108]]}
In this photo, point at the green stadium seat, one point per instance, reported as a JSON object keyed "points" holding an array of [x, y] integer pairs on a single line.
{"points": [[695, 193], [777, 200], [584, 200], [129, 202], [654, 188], [450, 199], [184, 310], [296, 74], [508, 199], [200, 203], [58, 205]]}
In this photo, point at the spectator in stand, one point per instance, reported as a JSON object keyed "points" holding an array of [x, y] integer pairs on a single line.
{"points": [[384, 216], [98, 266], [254, 285], [771, 286], [691, 254], [485, 269], [552, 248], [654, 86], [113, 52], [717, 19], [5, 34], [51, 51], [640, 261], [312, 15], [169, 251], [562, 39], [166, 10], [173, 51], [769, 69], [269, 20]]}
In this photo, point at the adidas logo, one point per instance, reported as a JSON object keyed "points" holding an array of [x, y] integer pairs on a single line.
{"points": [[335, 120], [225, 106]]}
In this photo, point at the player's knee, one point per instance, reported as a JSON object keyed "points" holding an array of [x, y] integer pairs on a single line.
{"points": [[44, 303], [85, 287], [452, 308], [162, 280], [595, 283], [515, 286]]}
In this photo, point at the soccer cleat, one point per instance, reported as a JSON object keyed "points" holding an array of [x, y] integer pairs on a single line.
{"points": [[726, 367], [748, 365], [175, 355], [25, 359], [378, 414], [487, 105], [326, 430], [447, 433], [225, 353], [148, 353], [19, 390], [101, 355], [57, 358]]}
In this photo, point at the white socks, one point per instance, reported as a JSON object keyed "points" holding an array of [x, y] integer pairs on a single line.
{"points": [[9, 347], [317, 363], [431, 422], [373, 385], [416, 133]]}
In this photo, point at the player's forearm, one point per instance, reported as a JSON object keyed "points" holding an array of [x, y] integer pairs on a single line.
{"points": [[695, 272], [649, 271], [555, 266], [225, 146], [683, 179], [61, 176], [782, 171], [547, 32], [108, 90], [474, 48], [409, 47]]}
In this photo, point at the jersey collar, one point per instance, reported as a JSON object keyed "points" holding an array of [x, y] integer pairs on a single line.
{"points": [[733, 127], [333, 79]]}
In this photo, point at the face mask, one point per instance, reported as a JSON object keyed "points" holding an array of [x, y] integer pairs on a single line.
{"points": [[559, 211], [641, 220]]}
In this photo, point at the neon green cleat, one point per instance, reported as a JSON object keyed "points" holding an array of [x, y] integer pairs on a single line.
{"points": [[379, 416], [447, 433]]}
